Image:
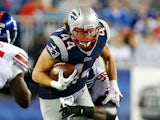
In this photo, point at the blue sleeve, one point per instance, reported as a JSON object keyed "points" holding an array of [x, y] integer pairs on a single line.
{"points": [[53, 49]]}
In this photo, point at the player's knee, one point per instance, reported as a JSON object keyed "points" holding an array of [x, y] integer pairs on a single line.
{"points": [[111, 111]]}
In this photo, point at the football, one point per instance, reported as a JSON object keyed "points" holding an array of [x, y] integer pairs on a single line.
{"points": [[66, 67]]}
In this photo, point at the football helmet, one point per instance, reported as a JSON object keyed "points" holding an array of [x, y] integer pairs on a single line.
{"points": [[84, 26], [8, 28]]}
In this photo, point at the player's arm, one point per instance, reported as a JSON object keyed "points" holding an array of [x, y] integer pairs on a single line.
{"points": [[109, 62], [20, 90], [43, 65], [110, 65], [18, 86], [106, 112], [102, 112]]}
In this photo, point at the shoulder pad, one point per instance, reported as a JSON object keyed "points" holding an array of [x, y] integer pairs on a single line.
{"points": [[105, 24], [56, 48]]}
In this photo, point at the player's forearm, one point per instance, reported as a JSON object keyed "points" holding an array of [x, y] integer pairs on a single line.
{"points": [[107, 112], [99, 113], [41, 78], [96, 113], [110, 64], [111, 69]]}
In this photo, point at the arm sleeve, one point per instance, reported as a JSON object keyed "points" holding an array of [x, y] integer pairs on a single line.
{"points": [[106, 26], [20, 63], [57, 49]]}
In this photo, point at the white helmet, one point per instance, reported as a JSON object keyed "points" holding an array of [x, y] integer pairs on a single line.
{"points": [[84, 19]]}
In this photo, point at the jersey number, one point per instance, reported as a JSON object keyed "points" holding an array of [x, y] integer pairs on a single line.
{"points": [[69, 43]]}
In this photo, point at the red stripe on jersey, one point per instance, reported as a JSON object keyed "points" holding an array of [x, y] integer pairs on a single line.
{"points": [[26, 57], [1, 53], [20, 58]]}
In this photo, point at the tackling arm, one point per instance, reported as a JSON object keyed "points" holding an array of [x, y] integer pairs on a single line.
{"points": [[106, 112], [20, 90]]}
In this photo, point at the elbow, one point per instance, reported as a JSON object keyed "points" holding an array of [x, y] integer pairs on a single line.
{"points": [[34, 76], [27, 99], [24, 101]]}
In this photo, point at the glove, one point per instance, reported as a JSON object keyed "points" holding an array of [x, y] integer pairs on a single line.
{"points": [[62, 82], [71, 111], [78, 110], [114, 95]]}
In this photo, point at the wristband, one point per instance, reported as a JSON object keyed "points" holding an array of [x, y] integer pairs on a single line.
{"points": [[53, 84], [114, 84]]}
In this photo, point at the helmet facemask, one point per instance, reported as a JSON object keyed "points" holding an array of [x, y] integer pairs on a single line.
{"points": [[85, 38]]}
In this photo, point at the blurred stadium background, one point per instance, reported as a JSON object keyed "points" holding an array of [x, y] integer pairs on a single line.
{"points": [[135, 44]]}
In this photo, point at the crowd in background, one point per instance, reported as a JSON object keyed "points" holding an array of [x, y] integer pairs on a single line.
{"points": [[135, 26]]}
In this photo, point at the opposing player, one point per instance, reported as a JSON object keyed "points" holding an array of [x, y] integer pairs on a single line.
{"points": [[8, 28], [13, 62], [99, 87], [80, 42]]}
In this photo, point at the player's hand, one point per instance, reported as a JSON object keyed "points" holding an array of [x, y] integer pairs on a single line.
{"points": [[71, 111], [68, 80], [114, 96], [63, 82]]}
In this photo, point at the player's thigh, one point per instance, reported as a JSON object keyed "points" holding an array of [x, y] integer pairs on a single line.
{"points": [[83, 97], [50, 109]]}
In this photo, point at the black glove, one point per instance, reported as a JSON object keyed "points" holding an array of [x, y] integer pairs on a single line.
{"points": [[74, 111]]}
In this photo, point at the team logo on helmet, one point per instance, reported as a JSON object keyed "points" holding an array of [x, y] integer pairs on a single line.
{"points": [[73, 15]]}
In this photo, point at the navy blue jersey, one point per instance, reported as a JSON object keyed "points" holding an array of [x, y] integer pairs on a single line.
{"points": [[61, 46]]}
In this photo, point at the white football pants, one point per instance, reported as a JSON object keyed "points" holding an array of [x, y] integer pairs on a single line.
{"points": [[50, 107]]}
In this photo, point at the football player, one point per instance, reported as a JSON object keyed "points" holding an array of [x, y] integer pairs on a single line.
{"points": [[80, 42], [8, 28], [13, 62]]}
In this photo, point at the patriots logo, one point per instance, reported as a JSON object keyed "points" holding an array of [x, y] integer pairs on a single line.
{"points": [[87, 59], [73, 15], [52, 50]]}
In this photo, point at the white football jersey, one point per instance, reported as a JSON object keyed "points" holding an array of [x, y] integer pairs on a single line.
{"points": [[13, 60]]}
